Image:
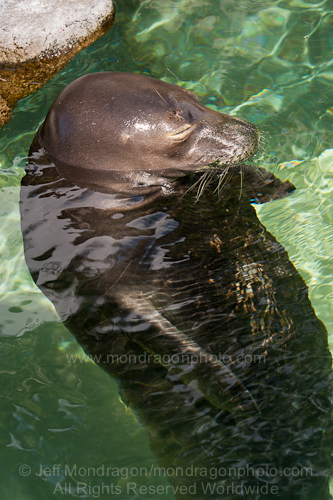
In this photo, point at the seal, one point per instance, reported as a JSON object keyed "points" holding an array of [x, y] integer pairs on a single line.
{"points": [[131, 133], [189, 303]]}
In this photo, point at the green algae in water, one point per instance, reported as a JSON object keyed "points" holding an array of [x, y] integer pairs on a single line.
{"points": [[268, 62]]}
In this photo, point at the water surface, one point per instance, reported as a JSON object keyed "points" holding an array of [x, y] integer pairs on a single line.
{"points": [[268, 62]]}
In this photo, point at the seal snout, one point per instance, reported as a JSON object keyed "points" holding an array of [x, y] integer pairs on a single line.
{"points": [[241, 139], [230, 140]]}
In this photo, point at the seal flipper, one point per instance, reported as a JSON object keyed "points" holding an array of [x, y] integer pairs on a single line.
{"points": [[193, 365]]}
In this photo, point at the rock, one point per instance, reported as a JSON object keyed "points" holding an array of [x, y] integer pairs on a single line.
{"points": [[38, 37]]}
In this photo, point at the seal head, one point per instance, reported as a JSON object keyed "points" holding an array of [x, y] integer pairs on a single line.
{"points": [[120, 130]]}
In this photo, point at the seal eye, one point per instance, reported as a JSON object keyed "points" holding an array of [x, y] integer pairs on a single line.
{"points": [[181, 133]]}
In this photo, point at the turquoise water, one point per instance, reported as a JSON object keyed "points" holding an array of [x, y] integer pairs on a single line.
{"points": [[268, 62]]}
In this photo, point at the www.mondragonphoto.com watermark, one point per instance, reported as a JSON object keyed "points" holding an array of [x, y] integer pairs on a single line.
{"points": [[166, 360]]}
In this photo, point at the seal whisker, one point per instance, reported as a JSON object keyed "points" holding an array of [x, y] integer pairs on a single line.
{"points": [[204, 170], [203, 182], [222, 181], [173, 74], [241, 187], [260, 174], [119, 277], [157, 92], [260, 146]]}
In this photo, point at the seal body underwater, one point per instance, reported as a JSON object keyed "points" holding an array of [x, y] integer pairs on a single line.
{"points": [[191, 304]]}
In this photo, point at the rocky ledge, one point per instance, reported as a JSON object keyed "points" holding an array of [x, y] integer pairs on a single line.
{"points": [[38, 37]]}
